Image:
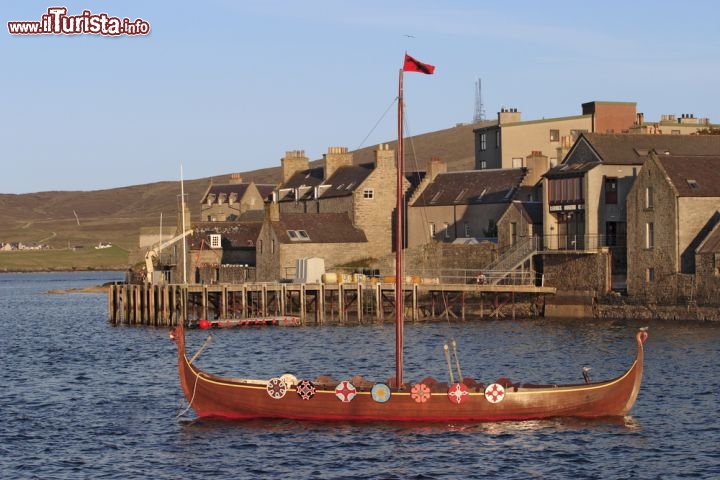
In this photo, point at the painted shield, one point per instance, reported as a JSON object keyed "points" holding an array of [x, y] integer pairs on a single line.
{"points": [[345, 391], [458, 393], [276, 388], [420, 393], [495, 393], [305, 389], [380, 392]]}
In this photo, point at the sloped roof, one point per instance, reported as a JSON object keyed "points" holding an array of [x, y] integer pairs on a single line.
{"points": [[309, 178], [265, 190], [345, 180], [532, 211], [627, 149], [593, 149], [233, 235], [693, 176], [319, 227], [238, 189], [474, 187], [711, 244]]}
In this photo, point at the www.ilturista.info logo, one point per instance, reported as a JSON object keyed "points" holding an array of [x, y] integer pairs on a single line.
{"points": [[57, 21]]}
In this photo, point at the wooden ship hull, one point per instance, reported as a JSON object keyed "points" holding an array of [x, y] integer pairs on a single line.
{"points": [[214, 396]]}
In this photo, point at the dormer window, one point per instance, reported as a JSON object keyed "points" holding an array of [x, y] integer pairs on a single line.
{"points": [[210, 198], [298, 236], [215, 241]]}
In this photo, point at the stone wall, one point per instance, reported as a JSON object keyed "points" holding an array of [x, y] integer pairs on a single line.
{"points": [[568, 272]]}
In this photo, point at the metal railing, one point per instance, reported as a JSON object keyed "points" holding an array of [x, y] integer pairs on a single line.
{"points": [[581, 242]]}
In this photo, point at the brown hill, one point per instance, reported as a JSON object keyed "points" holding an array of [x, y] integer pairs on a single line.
{"points": [[116, 215]]}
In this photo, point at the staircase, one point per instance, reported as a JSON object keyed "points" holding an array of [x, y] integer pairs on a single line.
{"points": [[513, 258]]}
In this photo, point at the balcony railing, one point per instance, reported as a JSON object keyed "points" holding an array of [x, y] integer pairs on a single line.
{"points": [[581, 242]]}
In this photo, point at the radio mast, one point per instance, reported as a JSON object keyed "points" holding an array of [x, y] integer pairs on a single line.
{"points": [[479, 108]]}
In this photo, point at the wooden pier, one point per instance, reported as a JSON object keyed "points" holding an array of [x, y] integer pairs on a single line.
{"points": [[313, 303]]}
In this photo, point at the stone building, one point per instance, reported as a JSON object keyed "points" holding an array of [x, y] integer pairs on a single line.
{"points": [[230, 202], [286, 238], [672, 211], [509, 142], [448, 206], [520, 220], [366, 193]]}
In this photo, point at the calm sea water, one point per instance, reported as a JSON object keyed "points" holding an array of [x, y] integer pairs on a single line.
{"points": [[83, 399]]}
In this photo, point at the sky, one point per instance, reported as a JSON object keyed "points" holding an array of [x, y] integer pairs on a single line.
{"points": [[225, 86]]}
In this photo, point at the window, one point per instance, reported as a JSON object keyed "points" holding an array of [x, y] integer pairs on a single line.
{"points": [[467, 230], [517, 162], [447, 230], [368, 194], [435, 197], [674, 132], [483, 165], [554, 135], [460, 196], [298, 236], [272, 246], [693, 184], [610, 190], [650, 274], [497, 139], [215, 241], [483, 142], [563, 191], [259, 246], [649, 198], [649, 235], [432, 230]]}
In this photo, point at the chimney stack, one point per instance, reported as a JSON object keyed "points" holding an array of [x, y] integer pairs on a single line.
{"points": [[335, 158], [235, 179], [434, 167], [294, 161], [384, 157]]}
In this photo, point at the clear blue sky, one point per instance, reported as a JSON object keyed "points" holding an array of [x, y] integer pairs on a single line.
{"points": [[228, 86]]}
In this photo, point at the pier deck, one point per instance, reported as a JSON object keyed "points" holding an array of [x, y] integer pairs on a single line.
{"points": [[313, 303]]}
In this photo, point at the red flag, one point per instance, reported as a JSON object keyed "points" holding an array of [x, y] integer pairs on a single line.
{"points": [[412, 65]]}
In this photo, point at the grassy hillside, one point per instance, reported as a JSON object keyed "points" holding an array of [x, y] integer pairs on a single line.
{"points": [[116, 215]]}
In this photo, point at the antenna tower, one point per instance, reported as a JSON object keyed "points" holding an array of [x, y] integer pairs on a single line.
{"points": [[479, 107]]}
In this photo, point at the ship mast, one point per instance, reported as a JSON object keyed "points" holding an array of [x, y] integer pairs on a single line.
{"points": [[399, 244]]}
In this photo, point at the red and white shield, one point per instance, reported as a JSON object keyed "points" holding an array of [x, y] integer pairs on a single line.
{"points": [[495, 393], [458, 393], [345, 391]]}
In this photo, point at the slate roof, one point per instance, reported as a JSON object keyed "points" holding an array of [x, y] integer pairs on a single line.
{"points": [[265, 191], [473, 187], [711, 244], [305, 181], [233, 235], [239, 189], [345, 180], [693, 176], [225, 188], [592, 149], [532, 211], [319, 227]]}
